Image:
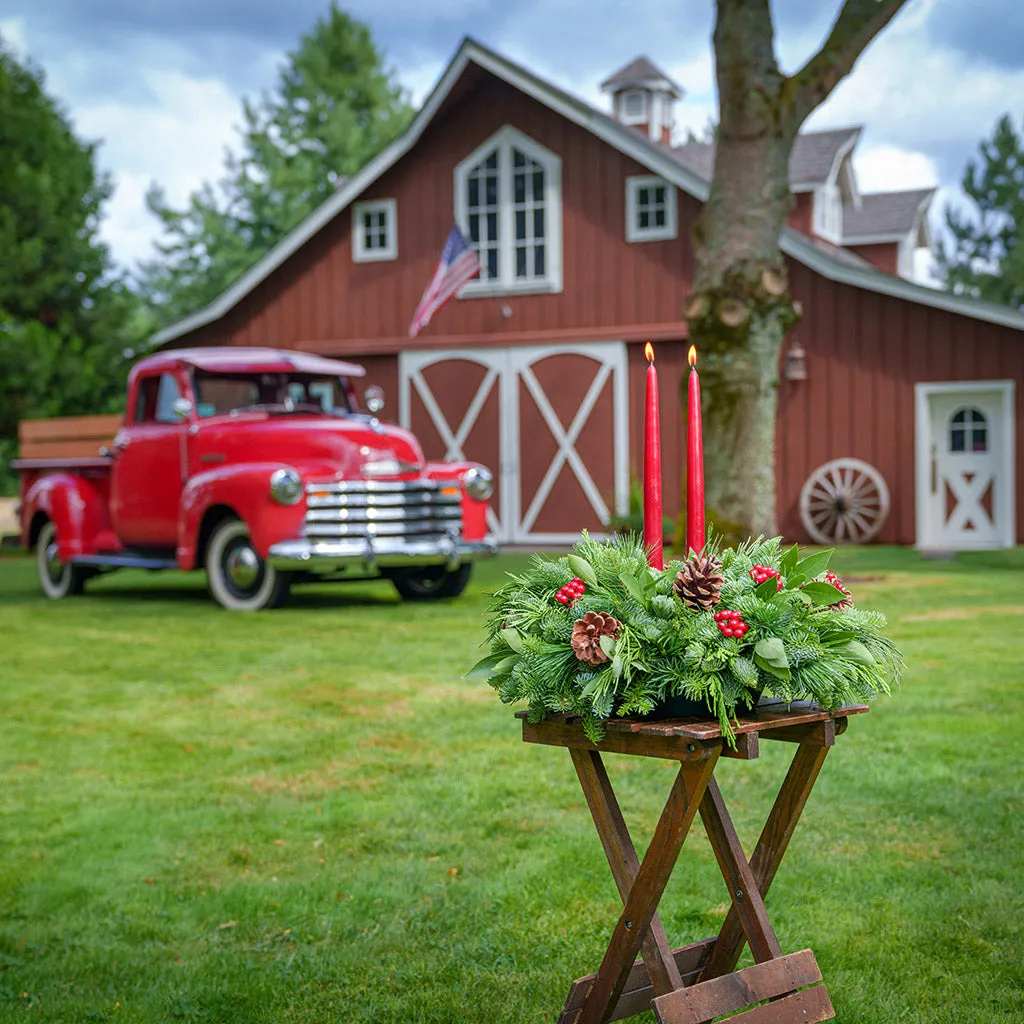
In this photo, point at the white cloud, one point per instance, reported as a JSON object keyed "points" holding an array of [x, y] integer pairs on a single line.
{"points": [[884, 168], [178, 141]]}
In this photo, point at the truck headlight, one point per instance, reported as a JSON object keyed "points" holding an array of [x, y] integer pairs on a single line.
{"points": [[479, 482], [286, 486]]}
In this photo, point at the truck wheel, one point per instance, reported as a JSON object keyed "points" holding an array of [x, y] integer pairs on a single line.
{"points": [[239, 579], [432, 582], [58, 579]]}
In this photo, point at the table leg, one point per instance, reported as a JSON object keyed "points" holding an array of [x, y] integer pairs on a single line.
{"points": [[743, 888], [624, 863], [768, 854], [647, 889]]}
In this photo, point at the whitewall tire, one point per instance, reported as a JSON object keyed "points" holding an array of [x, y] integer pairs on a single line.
{"points": [[57, 579], [239, 579]]}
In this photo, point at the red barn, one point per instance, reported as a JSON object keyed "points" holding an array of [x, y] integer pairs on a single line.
{"points": [[582, 223]]}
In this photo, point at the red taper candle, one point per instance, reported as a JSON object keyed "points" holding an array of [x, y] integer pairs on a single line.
{"points": [[652, 467], [694, 461]]}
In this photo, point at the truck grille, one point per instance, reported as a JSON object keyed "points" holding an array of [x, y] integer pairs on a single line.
{"points": [[382, 508]]}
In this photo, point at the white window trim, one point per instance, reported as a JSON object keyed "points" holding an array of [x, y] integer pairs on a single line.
{"points": [[640, 118], [634, 233], [507, 284], [360, 254], [828, 199]]}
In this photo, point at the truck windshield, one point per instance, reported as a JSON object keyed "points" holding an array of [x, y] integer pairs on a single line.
{"points": [[223, 394]]}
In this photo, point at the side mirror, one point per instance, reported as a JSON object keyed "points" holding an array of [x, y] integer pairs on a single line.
{"points": [[182, 408], [374, 397]]}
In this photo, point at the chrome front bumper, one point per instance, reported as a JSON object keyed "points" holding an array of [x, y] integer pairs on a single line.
{"points": [[374, 553]]}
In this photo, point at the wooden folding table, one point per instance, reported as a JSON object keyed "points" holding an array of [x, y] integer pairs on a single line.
{"points": [[697, 983]]}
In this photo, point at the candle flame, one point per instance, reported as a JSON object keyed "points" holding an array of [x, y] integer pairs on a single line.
{"points": [[691, 356], [649, 352]]}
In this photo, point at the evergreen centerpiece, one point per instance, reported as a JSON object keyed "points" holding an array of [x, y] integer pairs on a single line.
{"points": [[600, 632]]}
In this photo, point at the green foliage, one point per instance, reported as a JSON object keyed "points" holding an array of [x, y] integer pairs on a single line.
{"points": [[633, 520], [333, 108], [66, 321], [985, 257], [800, 644]]}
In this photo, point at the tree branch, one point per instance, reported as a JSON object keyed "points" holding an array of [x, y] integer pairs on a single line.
{"points": [[857, 23]]}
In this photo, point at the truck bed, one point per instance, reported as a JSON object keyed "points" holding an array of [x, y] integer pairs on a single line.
{"points": [[49, 465]]}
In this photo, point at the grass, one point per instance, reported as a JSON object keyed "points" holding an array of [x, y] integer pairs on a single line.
{"points": [[309, 816]]}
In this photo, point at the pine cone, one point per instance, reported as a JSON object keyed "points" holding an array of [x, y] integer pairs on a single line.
{"points": [[699, 584], [587, 633]]}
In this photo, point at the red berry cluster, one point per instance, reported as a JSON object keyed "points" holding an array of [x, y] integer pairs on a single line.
{"points": [[730, 623], [765, 572], [847, 601], [572, 591]]}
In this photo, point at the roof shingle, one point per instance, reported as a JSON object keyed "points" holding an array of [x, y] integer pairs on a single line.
{"points": [[641, 72], [810, 162], [885, 213]]}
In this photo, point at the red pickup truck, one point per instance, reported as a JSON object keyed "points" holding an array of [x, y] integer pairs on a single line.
{"points": [[258, 466]]}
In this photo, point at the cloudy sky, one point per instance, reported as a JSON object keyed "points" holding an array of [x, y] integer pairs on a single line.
{"points": [[161, 81]]}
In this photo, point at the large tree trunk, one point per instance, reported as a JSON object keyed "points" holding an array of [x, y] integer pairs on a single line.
{"points": [[740, 308]]}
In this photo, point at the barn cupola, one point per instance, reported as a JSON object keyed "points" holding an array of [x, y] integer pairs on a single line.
{"points": [[642, 96]]}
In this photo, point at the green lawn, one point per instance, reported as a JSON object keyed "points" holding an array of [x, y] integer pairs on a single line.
{"points": [[308, 815]]}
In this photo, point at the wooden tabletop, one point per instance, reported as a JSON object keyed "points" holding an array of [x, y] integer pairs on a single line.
{"points": [[769, 714]]}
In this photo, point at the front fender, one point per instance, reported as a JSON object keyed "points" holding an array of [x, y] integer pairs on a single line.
{"points": [[245, 489], [75, 506]]}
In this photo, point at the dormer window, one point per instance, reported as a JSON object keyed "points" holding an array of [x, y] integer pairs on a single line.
{"points": [[508, 204], [374, 230], [650, 209], [633, 106]]}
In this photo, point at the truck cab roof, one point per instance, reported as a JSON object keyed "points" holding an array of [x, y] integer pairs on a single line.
{"points": [[225, 359]]}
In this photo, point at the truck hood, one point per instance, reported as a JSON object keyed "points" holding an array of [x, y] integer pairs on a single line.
{"points": [[320, 447]]}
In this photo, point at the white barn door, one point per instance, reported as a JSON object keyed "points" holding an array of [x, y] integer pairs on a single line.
{"points": [[550, 420], [965, 484]]}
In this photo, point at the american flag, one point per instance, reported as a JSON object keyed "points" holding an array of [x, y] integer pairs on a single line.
{"points": [[458, 264]]}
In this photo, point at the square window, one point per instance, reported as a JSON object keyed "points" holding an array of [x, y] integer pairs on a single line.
{"points": [[650, 209], [376, 237]]}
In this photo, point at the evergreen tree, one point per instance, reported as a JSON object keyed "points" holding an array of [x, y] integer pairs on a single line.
{"points": [[65, 320], [333, 108], [984, 254]]}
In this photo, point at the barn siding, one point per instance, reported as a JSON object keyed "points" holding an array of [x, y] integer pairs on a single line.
{"points": [[865, 352], [883, 256]]}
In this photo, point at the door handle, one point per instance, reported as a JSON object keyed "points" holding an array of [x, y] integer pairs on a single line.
{"points": [[934, 472]]}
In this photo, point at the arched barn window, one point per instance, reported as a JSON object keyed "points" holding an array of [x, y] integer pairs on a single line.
{"points": [[968, 431], [508, 204]]}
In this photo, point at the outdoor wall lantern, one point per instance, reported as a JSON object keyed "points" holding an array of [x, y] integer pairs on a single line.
{"points": [[796, 362]]}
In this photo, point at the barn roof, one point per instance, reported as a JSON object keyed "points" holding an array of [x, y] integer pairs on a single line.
{"points": [[884, 214], [657, 158], [811, 162], [642, 72]]}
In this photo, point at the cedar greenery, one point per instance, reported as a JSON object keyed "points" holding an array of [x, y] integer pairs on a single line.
{"points": [[799, 647]]}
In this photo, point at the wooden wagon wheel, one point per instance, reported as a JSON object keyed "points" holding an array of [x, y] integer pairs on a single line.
{"points": [[845, 501]]}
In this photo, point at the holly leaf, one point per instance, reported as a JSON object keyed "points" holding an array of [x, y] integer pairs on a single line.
{"points": [[857, 652], [607, 644], [492, 665], [767, 590], [788, 561], [513, 639], [823, 593], [801, 597], [814, 565], [582, 568], [770, 654], [632, 584], [795, 581]]}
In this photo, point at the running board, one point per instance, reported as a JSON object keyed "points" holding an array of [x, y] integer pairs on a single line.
{"points": [[124, 562]]}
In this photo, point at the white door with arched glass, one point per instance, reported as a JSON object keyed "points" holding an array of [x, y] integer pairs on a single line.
{"points": [[965, 465]]}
